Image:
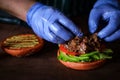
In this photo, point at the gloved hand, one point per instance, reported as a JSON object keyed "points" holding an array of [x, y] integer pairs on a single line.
{"points": [[108, 11], [50, 24]]}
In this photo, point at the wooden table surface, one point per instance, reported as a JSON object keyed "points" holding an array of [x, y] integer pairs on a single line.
{"points": [[44, 65]]}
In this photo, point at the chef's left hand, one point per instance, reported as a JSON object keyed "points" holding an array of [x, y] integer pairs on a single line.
{"points": [[110, 14]]}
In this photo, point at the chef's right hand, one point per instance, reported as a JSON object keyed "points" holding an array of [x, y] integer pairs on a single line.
{"points": [[50, 24]]}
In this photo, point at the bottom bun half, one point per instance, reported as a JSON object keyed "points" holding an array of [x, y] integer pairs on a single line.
{"points": [[82, 65], [24, 51]]}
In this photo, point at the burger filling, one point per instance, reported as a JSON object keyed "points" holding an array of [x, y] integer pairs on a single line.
{"points": [[84, 49]]}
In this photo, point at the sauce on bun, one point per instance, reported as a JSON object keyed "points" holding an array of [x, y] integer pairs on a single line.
{"points": [[22, 45]]}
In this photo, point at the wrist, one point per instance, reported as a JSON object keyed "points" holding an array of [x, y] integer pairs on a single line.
{"points": [[32, 10], [114, 3]]}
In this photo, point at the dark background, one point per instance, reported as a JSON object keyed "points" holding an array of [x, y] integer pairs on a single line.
{"points": [[68, 7]]}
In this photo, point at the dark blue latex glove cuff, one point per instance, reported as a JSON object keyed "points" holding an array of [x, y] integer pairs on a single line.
{"points": [[32, 11]]}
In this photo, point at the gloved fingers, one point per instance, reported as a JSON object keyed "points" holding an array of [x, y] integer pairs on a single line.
{"points": [[50, 36], [113, 37], [42, 29], [60, 31], [54, 38], [37, 31], [68, 24], [38, 28], [44, 32], [94, 19], [113, 24]]}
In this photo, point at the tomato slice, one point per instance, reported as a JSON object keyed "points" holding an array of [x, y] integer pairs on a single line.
{"points": [[62, 48]]}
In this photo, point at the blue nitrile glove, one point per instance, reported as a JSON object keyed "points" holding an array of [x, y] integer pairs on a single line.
{"points": [[50, 24], [108, 11]]}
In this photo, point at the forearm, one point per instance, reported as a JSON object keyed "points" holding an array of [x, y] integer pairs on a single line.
{"points": [[17, 8]]}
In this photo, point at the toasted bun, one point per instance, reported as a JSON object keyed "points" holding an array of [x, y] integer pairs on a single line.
{"points": [[82, 65], [24, 51]]}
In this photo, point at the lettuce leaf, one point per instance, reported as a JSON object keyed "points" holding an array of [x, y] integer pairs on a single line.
{"points": [[88, 57]]}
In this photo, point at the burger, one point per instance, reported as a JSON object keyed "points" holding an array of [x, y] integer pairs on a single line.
{"points": [[22, 44], [84, 53]]}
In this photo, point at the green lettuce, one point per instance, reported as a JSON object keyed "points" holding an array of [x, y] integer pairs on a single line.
{"points": [[88, 57]]}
